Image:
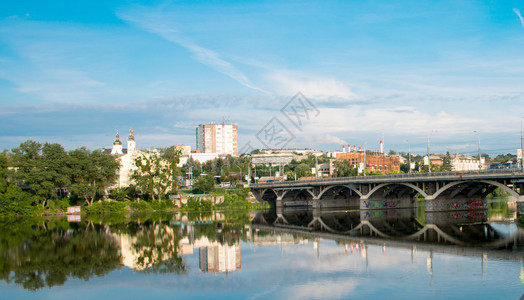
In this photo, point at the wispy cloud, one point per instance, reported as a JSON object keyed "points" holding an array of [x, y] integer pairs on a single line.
{"points": [[159, 23], [320, 88], [517, 11]]}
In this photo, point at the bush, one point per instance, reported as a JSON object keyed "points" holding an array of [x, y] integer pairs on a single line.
{"points": [[197, 204], [15, 202], [162, 205], [106, 207]]}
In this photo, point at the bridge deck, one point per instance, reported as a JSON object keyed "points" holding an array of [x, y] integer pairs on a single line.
{"points": [[515, 175]]}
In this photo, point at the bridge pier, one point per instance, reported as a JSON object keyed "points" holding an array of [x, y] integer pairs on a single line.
{"points": [[455, 203], [387, 203], [520, 206], [278, 202]]}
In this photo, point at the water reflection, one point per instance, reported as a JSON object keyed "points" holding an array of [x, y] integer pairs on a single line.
{"points": [[38, 253], [461, 228]]}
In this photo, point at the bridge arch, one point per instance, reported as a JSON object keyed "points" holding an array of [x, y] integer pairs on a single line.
{"points": [[490, 182], [378, 187], [343, 186], [269, 195], [305, 190]]}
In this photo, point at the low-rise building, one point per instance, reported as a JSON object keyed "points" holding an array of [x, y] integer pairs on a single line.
{"points": [[467, 163], [373, 160]]}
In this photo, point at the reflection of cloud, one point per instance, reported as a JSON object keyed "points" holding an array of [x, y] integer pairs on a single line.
{"points": [[335, 289], [517, 11]]}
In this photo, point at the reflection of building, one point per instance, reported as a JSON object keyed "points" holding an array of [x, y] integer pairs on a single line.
{"points": [[220, 258], [217, 138], [213, 256], [146, 255]]}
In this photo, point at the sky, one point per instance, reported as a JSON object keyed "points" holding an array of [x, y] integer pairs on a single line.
{"points": [[293, 74]]}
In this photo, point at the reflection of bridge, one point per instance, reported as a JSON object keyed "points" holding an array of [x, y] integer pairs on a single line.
{"points": [[443, 230], [442, 191], [464, 228]]}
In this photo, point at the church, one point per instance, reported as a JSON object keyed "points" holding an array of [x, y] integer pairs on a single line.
{"points": [[117, 144], [126, 157]]}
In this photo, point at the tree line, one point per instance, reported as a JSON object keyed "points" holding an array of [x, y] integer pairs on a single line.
{"points": [[36, 176]]}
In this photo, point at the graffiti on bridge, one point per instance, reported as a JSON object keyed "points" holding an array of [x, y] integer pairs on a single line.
{"points": [[469, 204], [380, 204], [472, 215]]}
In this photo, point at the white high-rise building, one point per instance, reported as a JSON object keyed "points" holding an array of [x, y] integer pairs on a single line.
{"points": [[217, 138]]}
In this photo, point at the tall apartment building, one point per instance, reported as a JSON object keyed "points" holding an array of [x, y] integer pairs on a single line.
{"points": [[217, 138]]}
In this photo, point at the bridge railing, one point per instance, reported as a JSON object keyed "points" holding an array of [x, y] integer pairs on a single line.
{"points": [[451, 174]]}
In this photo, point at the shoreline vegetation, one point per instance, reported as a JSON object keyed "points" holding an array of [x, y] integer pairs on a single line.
{"points": [[43, 179], [234, 199]]}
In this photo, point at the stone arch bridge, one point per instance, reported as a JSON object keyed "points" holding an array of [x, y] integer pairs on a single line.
{"points": [[442, 191]]}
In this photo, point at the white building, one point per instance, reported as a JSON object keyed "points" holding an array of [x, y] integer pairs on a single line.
{"points": [[467, 163], [200, 157], [126, 157], [217, 138]]}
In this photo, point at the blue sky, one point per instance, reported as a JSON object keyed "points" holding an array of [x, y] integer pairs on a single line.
{"points": [[75, 73]]}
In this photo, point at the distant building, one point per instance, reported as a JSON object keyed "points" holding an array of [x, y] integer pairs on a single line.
{"points": [[295, 151], [126, 157], [467, 163], [282, 156], [375, 161], [197, 156], [184, 149], [217, 138]]}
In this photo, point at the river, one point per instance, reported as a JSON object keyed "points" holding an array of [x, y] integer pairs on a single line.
{"points": [[288, 254]]}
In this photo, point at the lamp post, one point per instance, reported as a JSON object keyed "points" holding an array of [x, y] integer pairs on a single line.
{"points": [[409, 157], [364, 159], [429, 160], [480, 159], [521, 147]]}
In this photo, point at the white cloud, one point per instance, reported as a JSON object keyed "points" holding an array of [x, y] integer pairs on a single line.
{"points": [[517, 11], [325, 138], [318, 88], [159, 23]]}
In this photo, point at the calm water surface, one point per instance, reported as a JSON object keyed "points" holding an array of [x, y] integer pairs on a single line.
{"points": [[291, 254]]}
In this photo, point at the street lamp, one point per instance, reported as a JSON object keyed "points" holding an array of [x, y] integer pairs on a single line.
{"points": [[480, 159], [364, 159], [521, 147], [429, 160], [409, 157]]}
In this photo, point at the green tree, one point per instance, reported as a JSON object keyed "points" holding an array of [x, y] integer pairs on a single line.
{"points": [[92, 173], [344, 168], [446, 163], [3, 173], [156, 173], [204, 184], [303, 170], [43, 168]]}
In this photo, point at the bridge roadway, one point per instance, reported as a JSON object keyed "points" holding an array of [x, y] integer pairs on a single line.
{"points": [[443, 191]]}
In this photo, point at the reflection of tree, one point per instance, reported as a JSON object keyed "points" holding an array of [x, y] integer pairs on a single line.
{"points": [[48, 256], [157, 246]]}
